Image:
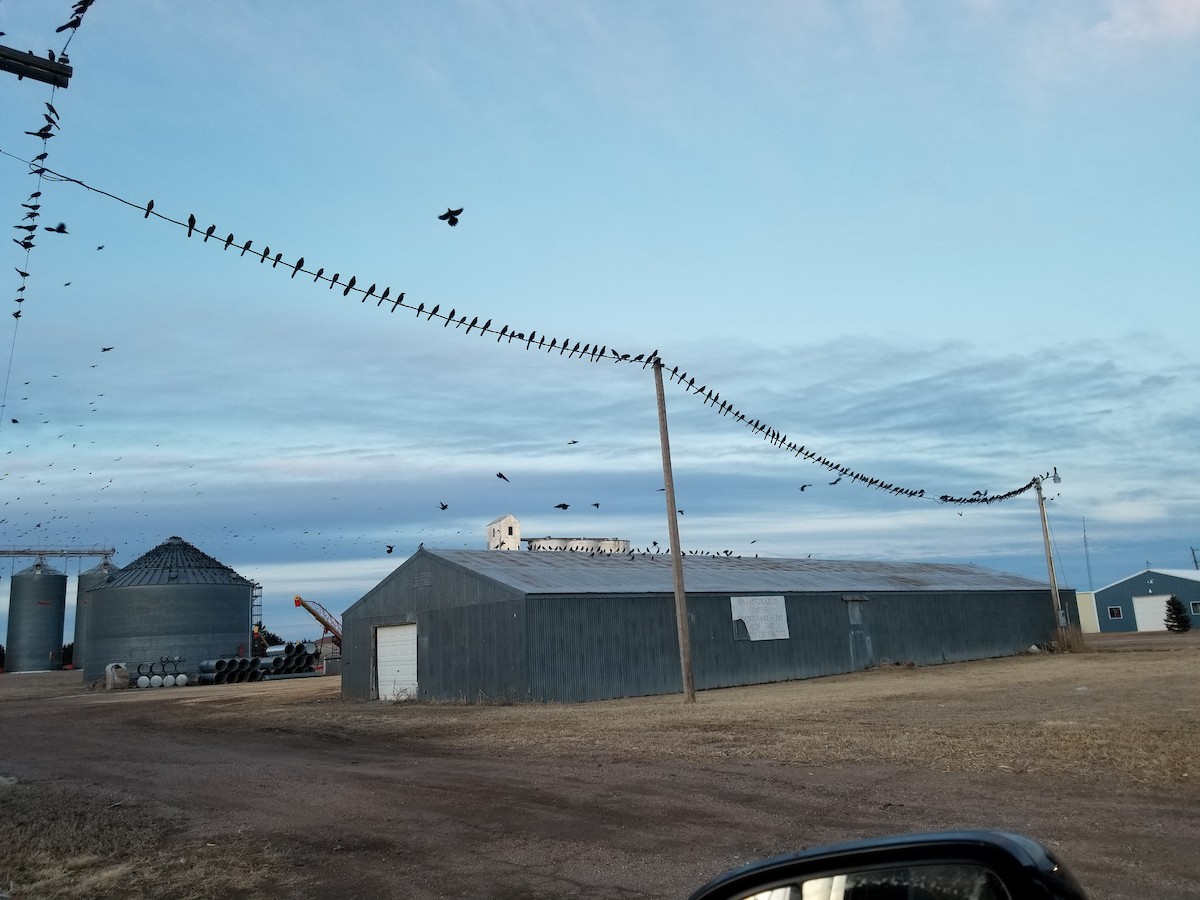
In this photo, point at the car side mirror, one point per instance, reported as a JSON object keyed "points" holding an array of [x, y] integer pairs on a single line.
{"points": [[952, 865]]}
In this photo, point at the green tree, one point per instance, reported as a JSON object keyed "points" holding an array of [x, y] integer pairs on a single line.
{"points": [[264, 638], [1, 656], [1177, 619]]}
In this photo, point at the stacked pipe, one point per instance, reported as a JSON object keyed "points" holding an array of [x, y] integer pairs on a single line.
{"points": [[292, 659], [163, 673], [231, 670]]}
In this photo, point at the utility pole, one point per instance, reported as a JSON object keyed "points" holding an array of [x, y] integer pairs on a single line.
{"points": [[1195, 562], [1037, 481], [681, 617], [24, 64]]}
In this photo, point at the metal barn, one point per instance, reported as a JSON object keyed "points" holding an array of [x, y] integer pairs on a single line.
{"points": [[1139, 602], [481, 626]]}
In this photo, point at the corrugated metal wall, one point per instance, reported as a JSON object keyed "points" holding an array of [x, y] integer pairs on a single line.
{"points": [[590, 648], [472, 653]]}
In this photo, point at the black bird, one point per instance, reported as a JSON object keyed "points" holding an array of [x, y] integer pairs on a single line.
{"points": [[60, 228], [105, 349], [443, 505], [450, 216], [208, 232], [836, 480], [803, 486], [74, 23], [101, 247], [597, 505], [150, 208], [390, 548], [191, 224], [562, 505], [572, 442], [501, 475]]}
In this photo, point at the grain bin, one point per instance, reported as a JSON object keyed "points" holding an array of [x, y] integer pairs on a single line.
{"points": [[37, 608], [93, 577], [171, 601]]}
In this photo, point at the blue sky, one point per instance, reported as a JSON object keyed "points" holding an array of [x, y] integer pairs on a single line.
{"points": [[947, 245]]}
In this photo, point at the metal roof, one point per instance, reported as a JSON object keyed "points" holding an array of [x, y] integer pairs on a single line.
{"points": [[174, 561], [1187, 574], [546, 572]]}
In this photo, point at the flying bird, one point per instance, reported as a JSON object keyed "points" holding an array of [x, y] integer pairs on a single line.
{"points": [[502, 476], [572, 442], [105, 349], [390, 548], [443, 505], [836, 480], [803, 486], [60, 228], [450, 216], [562, 505], [597, 505]]}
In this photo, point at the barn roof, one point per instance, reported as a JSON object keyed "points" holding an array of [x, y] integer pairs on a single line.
{"points": [[545, 572]]}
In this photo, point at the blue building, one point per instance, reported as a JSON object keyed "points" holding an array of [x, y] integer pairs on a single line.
{"points": [[1139, 602]]}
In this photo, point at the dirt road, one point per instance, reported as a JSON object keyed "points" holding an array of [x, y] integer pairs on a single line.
{"points": [[408, 810]]}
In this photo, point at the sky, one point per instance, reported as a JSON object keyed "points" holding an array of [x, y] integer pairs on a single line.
{"points": [[951, 246]]}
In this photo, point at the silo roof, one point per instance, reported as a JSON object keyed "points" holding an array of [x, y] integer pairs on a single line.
{"points": [[562, 572], [174, 561]]}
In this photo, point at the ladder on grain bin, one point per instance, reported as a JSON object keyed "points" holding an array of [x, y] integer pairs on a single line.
{"points": [[331, 623]]}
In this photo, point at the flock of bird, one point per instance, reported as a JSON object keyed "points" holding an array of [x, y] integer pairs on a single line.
{"points": [[573, 349]]}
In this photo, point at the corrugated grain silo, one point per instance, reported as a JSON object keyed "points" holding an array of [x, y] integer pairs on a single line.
{"points": [[37, 609], [171, 601], [93, 577]]}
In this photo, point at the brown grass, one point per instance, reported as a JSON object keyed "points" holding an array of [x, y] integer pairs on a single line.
{"points": [[61, 843], [1128, 715]]}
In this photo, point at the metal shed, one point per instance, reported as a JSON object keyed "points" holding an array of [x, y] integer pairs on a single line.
{"points": [[1139, 602], [479, 625]]}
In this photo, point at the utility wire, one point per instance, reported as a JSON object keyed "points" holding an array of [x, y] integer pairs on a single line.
{"points": [[531, 339]]}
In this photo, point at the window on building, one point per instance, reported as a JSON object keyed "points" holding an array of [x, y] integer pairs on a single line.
{"points": [[1196, 607], [510, 531], [1114, 612]]}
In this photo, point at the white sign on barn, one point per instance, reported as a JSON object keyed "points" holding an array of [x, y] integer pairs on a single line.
{"points": [[765, 618]]}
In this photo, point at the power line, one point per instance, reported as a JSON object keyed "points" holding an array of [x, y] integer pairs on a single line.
{"points": [[588, 351]]}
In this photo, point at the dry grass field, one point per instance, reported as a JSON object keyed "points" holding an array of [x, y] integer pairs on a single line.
{"points": [[1113, 733]]}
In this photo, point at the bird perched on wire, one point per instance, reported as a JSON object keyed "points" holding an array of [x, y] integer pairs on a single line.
{"points": [[450, 216]]}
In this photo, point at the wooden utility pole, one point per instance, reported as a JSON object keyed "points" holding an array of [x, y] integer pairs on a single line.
{"points": [[1058, 628], [681, 616]]}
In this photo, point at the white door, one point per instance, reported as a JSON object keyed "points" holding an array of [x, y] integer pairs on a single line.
{"points": [[396, 662], [1149, 612]]}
